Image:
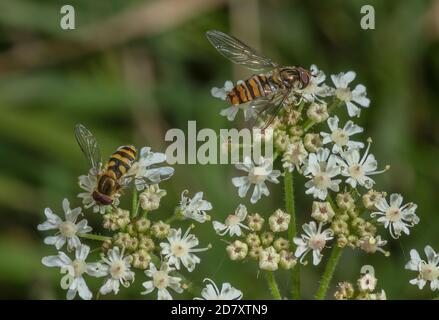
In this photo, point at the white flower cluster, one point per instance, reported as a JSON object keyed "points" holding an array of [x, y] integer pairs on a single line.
{"points": [[133, 241], [269, 248], [339, 169]]}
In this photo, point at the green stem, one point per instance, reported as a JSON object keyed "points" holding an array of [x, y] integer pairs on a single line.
{"points": [[273, 285], [329, 272], [309, 123], [135, 206], [290, 208], [94, 237]]}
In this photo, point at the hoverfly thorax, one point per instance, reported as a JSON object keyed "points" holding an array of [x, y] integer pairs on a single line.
{"points": [[294, 77]]}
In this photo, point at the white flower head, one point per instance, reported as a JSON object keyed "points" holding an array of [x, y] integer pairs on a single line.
{"points": [[344, 93], [212, 292], [321, 168], [145, 172], [427, 270], [195, 208], [340, 137], [180, 249], [258, 173], [74, 281], [68, 229], [358, 169], [161, 280], [89, 183], [314, 239], [316, 87], [117, 268], [396, 217], [233, 223]]}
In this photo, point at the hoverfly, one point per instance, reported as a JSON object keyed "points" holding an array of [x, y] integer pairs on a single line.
{"points": [[266, 92], [117, 172]]}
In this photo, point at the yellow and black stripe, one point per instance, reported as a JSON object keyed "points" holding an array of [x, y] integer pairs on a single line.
{"points": [[250, 89], [121, 160]]}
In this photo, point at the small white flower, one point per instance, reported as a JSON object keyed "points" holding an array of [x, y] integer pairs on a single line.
{"points": [[68, 230], [321, 168], [212, 292], [316, 86], [341, 137], [195, 208], [269, 259], [74, 281], [144, 171], [370, 244], [181, 249], [161, 280], [279, 221], [221, 93], [313, 240], [344, 93], [117, 268], [358, 169], [428, 270], [89, 183], [233, 223], [395, 217], [367, 283], [258, 173], [294, 156]]}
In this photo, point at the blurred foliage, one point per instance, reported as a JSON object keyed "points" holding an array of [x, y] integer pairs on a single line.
{"points": [[134, 90]]}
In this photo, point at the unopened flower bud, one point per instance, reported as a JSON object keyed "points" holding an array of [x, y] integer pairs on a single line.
{"points": [[255, 222], [267, 238], [279, 221], [312, 142], [281, 244], [160, 230], [237, 250]]}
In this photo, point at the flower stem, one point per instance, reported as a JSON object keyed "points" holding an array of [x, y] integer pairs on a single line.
{"points": [[290, 208], [329, 272], [94, 237], [309, 123], [273, 285], [135, 207]]}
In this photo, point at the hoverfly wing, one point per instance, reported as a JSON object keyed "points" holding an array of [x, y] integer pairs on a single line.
{"points": [[267, 107], [153, 176], [89, 146], [238, 52]]}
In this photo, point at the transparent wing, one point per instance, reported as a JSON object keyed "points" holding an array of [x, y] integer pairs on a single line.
{"points": [[238, 52], [267, 108], [89, 146], [149, 176]]}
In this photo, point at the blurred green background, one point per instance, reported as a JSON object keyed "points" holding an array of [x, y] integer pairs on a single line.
{"points": [[133, 69]]}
